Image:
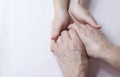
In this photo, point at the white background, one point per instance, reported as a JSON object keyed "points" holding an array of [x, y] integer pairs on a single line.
{"points": [[25, 32]]}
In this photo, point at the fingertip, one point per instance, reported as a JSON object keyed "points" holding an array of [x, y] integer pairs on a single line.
{"points": [[97, 26], [55, 35], [52, 45], [52, 42]]}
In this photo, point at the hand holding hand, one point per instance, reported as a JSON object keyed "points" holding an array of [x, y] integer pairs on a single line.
{"points": [[95, 42], [70, 54], [63, 17]]}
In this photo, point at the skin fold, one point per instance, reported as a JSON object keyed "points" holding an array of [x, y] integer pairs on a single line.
{"points": [[76, 36], [97, 45], [73, 46], [70, 54], [63, 10]]}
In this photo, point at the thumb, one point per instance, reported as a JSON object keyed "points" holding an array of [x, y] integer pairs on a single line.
{"points": [[55, 33], [89, 19], [56, 30], [84, 17], [57, 27]]}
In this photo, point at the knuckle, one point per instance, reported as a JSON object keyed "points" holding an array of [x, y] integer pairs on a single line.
{"points": [[63, 32]]}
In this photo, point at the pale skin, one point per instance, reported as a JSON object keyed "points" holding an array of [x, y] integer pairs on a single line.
{"points": [[70, 54], [63, 11], [71, 47], [68, 46], [97, 45]]}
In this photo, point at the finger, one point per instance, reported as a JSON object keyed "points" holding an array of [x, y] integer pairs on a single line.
{"points": [[56, 29], [60, 5], [72, 17], [77, 28], [76, 25], [53, 45], [73, 35], [76, 39], [57, 26], [91, 21], [65, 36], [59, 41], [85, 18]]}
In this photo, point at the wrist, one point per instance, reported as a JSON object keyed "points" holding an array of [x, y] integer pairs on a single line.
{"points": [[60, 5], [77, 72], [77, 66], [77, 2], [108, 54], [105, 51], [74, 5], [61, 13], [112, 57], [60, 10]]}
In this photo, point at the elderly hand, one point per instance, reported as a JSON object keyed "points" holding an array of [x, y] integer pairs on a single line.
{"points": [[62, 16], [70, 54], [95, 42], [82, 15], [97, 46]]}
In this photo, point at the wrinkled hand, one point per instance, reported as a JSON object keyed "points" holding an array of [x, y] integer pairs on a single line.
{"points": [[70, 54], [63, 18], [95, 42]]}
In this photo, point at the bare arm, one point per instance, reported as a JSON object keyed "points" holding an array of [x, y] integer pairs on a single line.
{"points": [[60, 5], [78, 12], [70, 54], [112, 57], [61, 18], [97, 45]]}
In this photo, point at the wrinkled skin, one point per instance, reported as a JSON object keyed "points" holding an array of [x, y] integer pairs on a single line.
{"points": [[64, 11], [95, 42], [70, 54], [97, 46]]}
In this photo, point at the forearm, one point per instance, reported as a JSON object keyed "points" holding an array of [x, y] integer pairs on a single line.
{"points": [[76, 72], [77, 67], [77, 2], [112, 57], [60, 6]]}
